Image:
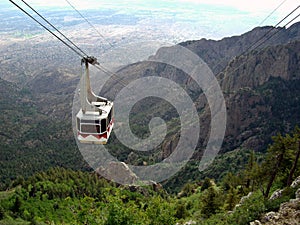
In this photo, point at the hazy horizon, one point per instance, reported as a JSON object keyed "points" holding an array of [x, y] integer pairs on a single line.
{"points": [[195, 19]]}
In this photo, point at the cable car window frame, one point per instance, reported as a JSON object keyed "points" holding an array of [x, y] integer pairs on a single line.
{"points": [[94, 128], [109, 116], [103, 128]]}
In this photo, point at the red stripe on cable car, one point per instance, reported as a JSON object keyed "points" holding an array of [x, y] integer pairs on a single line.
{"points": [[98, 136]]}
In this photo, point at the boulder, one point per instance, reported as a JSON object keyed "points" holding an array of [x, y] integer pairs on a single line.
{"points": [[245, 197], [118, 172], [296, 182], [256, 222], [297, 193], [270, 216], [276, 194]]}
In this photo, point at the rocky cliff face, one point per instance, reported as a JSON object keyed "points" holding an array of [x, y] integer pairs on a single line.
{"points": [[260, 92], [288, 213], [217, 54], [261, 88], [256, 68]]}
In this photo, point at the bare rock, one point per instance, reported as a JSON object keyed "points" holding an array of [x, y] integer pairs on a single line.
{"points": [[296, 182], [242, 200], [190, 222], [245, 197], [276, 194], [118, 172], [288, 214], [297, 194], [270, 216], [256, 222]]}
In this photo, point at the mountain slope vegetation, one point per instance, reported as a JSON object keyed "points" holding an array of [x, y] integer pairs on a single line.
{"points": [[64, 196]]}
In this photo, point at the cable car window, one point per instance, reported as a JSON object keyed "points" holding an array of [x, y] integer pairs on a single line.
{"points": [[90, 128], [103, 125], [78, 123], [90, 121], [109, 116]]}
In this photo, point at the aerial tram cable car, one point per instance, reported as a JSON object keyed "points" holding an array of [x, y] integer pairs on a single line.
{"points": [[95, 119]]}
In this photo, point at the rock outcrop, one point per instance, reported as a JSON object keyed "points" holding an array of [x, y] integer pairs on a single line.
{"points": [[289, 213]]}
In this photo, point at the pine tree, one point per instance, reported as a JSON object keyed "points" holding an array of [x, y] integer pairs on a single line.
{"points": [[251, 172], [211, 202], [296, 139], [206, 184], [2, 212], [17, 205], [275, 158], [181, 211], [232, 198]]}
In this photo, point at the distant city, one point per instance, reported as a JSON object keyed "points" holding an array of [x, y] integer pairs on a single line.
{"points": [[160, 20]]}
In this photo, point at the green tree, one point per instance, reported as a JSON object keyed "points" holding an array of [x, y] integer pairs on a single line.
{"points": [[187, 190], [206, 184], [232, 198], [296, 148], [281, 161], [160, 211], [251, 173], [274, 159], [2, 212], [231, 181], [17, 205], [212, 202], [181, 211]]}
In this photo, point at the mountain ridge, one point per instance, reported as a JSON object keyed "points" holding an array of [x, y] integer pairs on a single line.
{"points": [[217, 54]]}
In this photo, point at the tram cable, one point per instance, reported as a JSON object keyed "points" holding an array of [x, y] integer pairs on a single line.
{"points": [[278, 30], [43, 18], [79, 52], [263, 36], [46, 28], [83, 17], [254, 50], [271, 13], [273, 28]]}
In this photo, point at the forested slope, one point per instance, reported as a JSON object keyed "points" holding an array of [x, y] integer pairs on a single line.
{"points": [[64, 196]]}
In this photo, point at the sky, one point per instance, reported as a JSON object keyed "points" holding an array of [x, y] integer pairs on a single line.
{"points": [[220, 18], [253, 6]]}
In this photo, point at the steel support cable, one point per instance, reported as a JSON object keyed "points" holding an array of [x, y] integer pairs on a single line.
{"points": [[113, 75], [259, 39], [278, 30], [46, 28], [272, 12], [83, 17], [116, 78], [269, 31], [54, 28], [255, 53]]}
